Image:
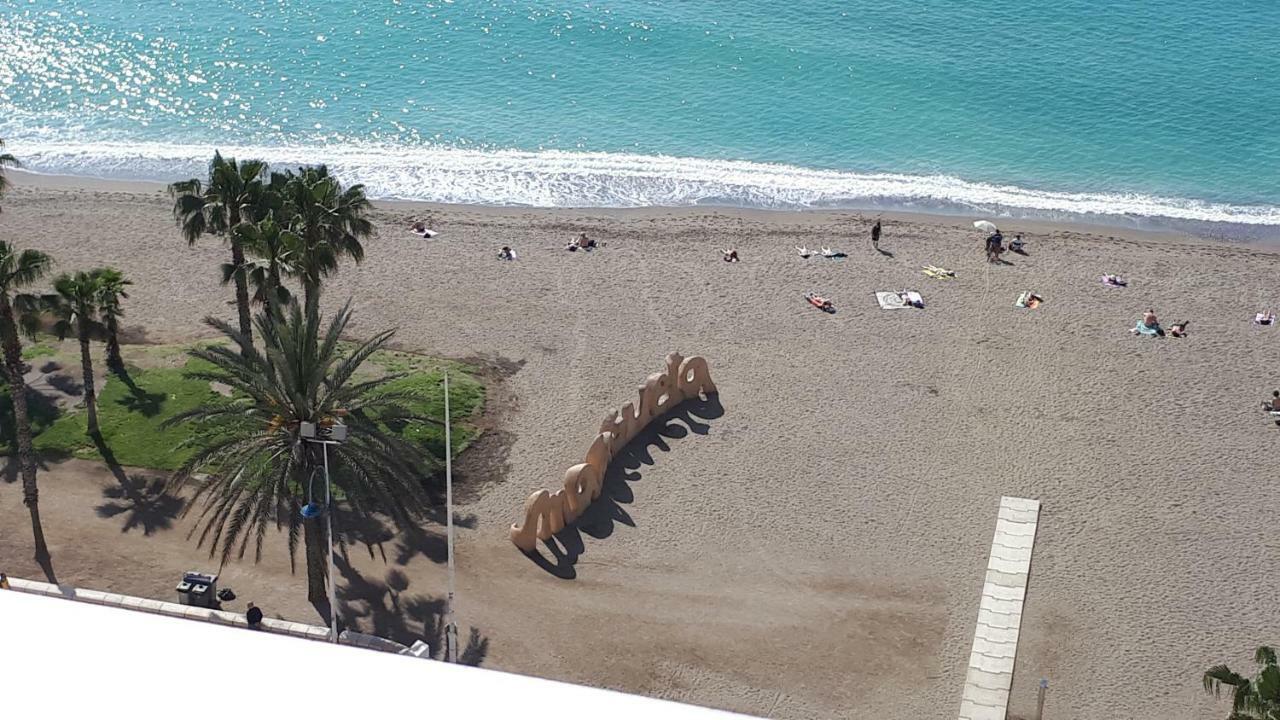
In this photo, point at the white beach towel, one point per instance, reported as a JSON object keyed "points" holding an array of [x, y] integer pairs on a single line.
{"points": [[894, 301], [427, 233]]}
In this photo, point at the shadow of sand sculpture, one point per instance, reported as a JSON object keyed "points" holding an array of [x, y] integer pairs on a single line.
{"points": [[601, 516], [385, 608]]}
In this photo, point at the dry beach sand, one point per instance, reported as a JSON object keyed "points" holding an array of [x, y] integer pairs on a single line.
{"points": [[816, 547]]}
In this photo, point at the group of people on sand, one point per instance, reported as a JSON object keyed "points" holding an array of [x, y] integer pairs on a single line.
{"points": [[582, 242], [995, 246], [1150, 325]]}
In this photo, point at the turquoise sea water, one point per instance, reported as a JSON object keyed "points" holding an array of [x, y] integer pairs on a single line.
{"points": [[1064, 108]]}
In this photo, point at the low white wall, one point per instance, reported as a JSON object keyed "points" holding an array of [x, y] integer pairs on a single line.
{"points": [[222, 617]]}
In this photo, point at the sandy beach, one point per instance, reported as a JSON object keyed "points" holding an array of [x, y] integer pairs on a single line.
{"points": [[815, 548]]}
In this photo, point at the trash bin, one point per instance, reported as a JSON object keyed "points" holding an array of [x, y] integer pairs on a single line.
{"points": [[198, 589], [184, 592]]}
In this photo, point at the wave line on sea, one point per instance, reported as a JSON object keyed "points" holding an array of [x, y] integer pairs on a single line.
{"points": [[554, 178]]}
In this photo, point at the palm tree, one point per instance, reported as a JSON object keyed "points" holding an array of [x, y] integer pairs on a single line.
{"points": [[329, 220], [19, 315], [234, 194], [111, 290], [1256, 699], [274, 252], [6, 161], [75, 305], [254, 470]]}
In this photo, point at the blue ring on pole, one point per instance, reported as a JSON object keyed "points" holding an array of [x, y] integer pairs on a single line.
{"points": [[311, 510]]}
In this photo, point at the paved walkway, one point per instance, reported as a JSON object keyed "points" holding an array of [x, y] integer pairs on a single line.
{"points": [[995, 640]]}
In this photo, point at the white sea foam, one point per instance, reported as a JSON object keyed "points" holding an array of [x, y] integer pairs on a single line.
{"points": [[571, 179]]}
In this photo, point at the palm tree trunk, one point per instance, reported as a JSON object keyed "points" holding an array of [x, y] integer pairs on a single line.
{"points": [[90, 398], [14, 366], [317, 549], [311, 294], [242, 290], [271, 298], [114, 361]]}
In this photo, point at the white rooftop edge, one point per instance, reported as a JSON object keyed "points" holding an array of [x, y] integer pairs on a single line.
{"points": [[76, 659]]}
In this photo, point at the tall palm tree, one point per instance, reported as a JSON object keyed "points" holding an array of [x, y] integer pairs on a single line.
{"points": [[75, 306], [19, 315], [111, 289], [234, 194], [329, 220], [254, 469], [272, 256], [6, 161], [1251, 699]]}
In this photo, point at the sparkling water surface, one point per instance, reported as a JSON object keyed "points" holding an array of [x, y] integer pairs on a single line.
{"points": [[1140, 108]]}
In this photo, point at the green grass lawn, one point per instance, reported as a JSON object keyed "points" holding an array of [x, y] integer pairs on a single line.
{"points": [[31, 352], [131, 420], [131, 415]]}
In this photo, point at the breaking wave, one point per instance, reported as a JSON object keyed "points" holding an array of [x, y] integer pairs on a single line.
{"points": [[553, 178]]}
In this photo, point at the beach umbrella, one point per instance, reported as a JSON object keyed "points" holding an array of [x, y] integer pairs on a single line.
{"points": [[986, 226]]}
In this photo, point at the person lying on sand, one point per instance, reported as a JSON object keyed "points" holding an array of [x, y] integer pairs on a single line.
{"points": [[1179, 329], [1266, 317], [1114, 280], [819, 302], [421, 228], [804, 251], [506, 253], [829, 253], [730, 255]]}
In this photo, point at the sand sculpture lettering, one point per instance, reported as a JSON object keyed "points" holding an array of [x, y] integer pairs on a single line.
{"points": [[546, 513]]}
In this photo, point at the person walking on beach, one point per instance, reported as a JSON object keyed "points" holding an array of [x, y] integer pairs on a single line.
{"points": [[875, 235], [254, 617]]}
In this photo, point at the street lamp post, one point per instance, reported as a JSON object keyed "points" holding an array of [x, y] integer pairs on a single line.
{"points": [[450, 628], [324, 436]]}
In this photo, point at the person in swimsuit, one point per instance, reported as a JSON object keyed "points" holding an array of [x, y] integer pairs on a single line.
{"points": [[1149, 319]]}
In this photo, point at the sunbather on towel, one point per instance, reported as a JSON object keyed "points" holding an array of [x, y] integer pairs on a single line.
{"points": [[1148, 325], [820, 302], [506, 253], [804, 251], [1265, 317], [1179, 329], [730, 255], [1114, 280]]}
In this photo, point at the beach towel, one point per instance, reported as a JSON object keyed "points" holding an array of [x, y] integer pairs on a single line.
{"points": [[1028, 300], [895, 301], [1141, 329], [938, 273], [427, 233]]}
